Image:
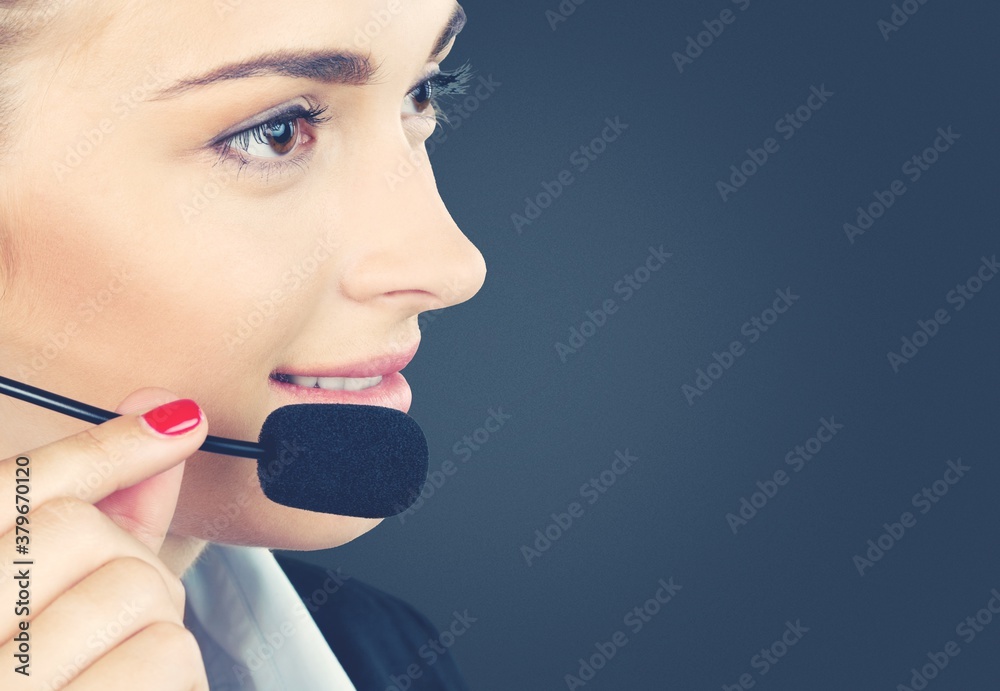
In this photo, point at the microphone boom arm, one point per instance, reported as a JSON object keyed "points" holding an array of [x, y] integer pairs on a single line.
{"points": [[95, 415]]}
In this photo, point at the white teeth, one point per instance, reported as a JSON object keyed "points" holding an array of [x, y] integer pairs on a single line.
{"points": [[308, 382], [336, 383], [348, 383]]}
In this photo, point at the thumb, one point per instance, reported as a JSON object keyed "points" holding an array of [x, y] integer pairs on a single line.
{"points": [[146, 508]]}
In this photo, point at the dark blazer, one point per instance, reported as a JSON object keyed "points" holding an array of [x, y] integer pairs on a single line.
{"points": [[380, 640]]}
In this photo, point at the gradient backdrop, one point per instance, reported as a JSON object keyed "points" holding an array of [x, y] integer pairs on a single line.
{"points": [[755, 541]]}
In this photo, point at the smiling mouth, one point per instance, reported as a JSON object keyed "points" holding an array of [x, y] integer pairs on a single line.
{"points": [[329, 383]]}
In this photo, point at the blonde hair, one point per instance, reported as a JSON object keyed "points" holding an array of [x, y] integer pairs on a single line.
{"points": [[23, 25], [20, 22]]}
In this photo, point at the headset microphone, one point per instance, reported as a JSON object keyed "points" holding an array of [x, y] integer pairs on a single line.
{"points": [[346, 459]]}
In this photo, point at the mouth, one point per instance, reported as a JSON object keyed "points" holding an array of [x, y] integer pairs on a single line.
{"points": [[377, 381], [329, 383]]}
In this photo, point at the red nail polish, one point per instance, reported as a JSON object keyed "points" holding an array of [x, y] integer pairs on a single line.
{"points": [[176, 417]]}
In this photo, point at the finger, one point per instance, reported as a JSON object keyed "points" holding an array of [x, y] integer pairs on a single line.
{"points": [[146, 508], [161, 657], [72, 539], [95, 616], [101, 460]]}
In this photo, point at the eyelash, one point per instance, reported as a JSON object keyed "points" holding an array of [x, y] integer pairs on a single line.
{"points": [[437, 86], [444, 84]]}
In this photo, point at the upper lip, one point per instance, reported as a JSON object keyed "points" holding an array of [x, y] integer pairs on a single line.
{"points": [[372, 367]]}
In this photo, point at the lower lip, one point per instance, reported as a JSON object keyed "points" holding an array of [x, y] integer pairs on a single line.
{"points": [[392, 392]]}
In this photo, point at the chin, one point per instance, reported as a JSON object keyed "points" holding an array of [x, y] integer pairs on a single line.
{"points": [[325, 532], [210, 507], [266, 524]]}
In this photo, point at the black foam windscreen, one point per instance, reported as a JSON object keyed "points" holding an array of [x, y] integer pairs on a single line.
{"points": [[352, 460]]}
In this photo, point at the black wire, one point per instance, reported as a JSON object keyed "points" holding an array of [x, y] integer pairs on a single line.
{"points": [[89, 413]]}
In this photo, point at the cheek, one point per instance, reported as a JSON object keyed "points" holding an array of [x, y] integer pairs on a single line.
{"points": [[196, 293], [106, 303]]}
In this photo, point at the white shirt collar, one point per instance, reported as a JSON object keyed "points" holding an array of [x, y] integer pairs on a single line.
{"points": [[253, 629]]}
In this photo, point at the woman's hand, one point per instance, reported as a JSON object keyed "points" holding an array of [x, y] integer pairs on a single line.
{"points": [[105, 612]]}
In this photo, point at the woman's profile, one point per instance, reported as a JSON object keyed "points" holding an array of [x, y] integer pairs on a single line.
{"points": [[208, 210]]}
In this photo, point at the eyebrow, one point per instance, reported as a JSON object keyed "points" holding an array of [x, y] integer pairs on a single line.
{"points": [[456, 22], [330, 67]]}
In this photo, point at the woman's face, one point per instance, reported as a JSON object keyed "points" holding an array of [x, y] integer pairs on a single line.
{"points": [[155, 248]]}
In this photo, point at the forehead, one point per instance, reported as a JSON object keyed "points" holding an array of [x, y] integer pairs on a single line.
{"points": [[122, 42]]}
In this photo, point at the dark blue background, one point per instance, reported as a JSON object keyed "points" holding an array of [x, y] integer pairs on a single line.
{"points": [[826, 356]]}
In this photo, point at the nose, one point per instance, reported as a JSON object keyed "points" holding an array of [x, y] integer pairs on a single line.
{"points": [[409, 253]]}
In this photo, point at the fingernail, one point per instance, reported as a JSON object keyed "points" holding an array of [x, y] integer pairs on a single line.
{"points": [[174, 418]]}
